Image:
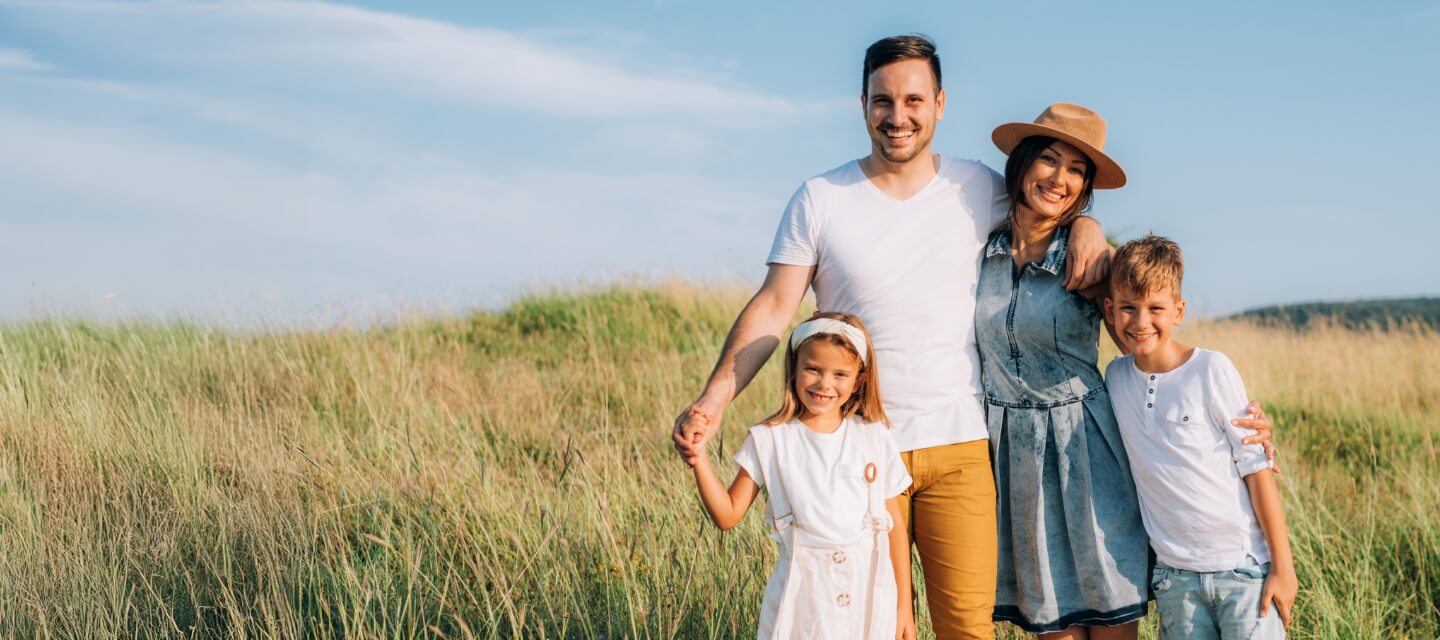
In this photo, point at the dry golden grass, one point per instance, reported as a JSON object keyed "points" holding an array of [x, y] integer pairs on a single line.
{"points": [[509, 475]]}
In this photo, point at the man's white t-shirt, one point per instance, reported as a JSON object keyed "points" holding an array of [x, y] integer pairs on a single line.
{"points": [[1188, 460], [909, 270], [824, 474]]}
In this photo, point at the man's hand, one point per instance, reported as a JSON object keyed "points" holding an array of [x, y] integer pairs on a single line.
{"points": [[694, 428], [1264, 429], [1087, 260], [1280, 587]]}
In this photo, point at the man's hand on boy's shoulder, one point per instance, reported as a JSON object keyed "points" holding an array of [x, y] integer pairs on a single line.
{"points": [[1264, 430]]}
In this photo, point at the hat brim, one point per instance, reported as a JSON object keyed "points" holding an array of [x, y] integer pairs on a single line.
{"points": [[1108, 174]]}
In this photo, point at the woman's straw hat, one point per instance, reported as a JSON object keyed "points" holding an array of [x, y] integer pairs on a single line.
{"points": [[1074, 124]]}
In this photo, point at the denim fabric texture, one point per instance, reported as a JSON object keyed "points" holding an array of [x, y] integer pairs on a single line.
{"points": [[1072, 547], [1214, 605]]}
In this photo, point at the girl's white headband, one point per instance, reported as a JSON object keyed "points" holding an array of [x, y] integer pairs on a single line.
{"points": [[830, 325]]}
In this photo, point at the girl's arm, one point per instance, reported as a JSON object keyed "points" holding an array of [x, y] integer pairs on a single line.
{"points": [[726, 506], [1281, 585], [900, 559]]}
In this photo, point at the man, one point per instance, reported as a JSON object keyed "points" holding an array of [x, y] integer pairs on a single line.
{"points": [[895, 238]]}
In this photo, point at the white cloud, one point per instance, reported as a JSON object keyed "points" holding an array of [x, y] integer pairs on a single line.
{"points": [[21, 60], [324, 44], [256, 148], [171, 225]]}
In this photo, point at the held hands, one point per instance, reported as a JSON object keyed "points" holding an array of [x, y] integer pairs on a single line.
{"points": [[1280, 586], [1264, 429], [693, 429]]}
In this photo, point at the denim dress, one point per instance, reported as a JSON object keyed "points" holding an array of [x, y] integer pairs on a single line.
{"points": [[1073, 550]]}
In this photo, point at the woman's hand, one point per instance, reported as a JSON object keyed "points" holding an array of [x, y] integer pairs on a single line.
{"points": [[1264, 430]]}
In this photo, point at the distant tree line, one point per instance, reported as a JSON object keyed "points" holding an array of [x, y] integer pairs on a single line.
{"points": [[1362, 314]]}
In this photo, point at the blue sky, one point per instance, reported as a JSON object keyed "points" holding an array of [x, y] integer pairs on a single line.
{"points": [[301, 162]]}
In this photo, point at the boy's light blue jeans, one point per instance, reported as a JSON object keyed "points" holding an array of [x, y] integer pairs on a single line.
{"points": [[1214, 605]]}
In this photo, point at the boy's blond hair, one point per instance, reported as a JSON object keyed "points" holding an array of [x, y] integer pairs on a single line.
{"points": [[1147, 265]]}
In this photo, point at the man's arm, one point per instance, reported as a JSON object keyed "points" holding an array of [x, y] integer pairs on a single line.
{"points": [[1087, 260], [756, 332]]}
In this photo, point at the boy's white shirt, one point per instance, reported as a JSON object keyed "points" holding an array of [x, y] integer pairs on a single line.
{"points": [[1188, 462], [824, 474], [909, 269]]}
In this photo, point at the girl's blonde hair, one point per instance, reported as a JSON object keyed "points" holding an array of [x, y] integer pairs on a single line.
{"points": [[865, 400]]}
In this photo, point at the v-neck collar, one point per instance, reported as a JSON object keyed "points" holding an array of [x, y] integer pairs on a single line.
{"points": [[892, 199]]}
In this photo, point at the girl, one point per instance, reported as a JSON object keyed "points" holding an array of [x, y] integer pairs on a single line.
{"points": [[832, 473]]}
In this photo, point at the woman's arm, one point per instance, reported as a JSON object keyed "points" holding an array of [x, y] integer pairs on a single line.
{"points": [[900, 559], [725, 506]]}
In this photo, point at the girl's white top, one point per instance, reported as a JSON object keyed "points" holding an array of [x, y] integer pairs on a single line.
{"points": [[1188, 461], [825, 474]]}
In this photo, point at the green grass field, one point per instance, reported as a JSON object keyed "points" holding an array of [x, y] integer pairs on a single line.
{"points": [[509, 474]]}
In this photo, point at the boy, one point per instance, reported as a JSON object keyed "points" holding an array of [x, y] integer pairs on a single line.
{"points": [[1222, 551]]}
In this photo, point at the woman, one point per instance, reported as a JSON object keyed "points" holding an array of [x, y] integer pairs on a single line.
{"points": [[1073, 552]]}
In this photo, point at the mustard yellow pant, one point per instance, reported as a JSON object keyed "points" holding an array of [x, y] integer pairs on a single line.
{"points": [[950, 511]]}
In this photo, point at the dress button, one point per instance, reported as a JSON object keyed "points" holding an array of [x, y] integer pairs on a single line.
{"points": [[843, 599], [838, 557]]}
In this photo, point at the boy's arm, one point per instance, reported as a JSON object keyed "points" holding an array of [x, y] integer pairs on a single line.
{"points": [[1281, 585], [725, 506], [900, 560]]}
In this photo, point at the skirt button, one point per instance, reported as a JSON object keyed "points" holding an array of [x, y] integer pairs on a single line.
{"points": [[838, 557], [843, 599]]}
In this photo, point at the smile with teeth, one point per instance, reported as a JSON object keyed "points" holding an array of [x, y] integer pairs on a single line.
{"points": [[899, 135], [820, 398], [1053, 197], [1140, 337]]}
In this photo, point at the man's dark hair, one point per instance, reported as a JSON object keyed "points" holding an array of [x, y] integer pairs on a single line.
{"points": [[895, 49], [1024, 155]]}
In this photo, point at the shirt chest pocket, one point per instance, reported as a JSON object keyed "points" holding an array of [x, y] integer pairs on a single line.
{"points": [[1185, 424], [852, 475]]}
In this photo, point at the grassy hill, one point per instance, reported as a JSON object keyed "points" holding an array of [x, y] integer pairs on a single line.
{"points": [[509, 474], [1353, 315]]}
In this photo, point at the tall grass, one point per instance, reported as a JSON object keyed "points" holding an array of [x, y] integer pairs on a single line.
{"points": [[508, 474]]}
